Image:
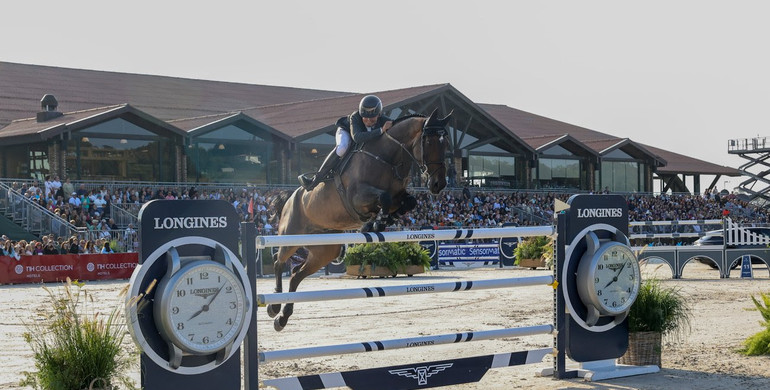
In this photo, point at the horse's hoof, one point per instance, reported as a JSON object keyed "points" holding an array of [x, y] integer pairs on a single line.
{"points": [[273, 310], [277, 324]]}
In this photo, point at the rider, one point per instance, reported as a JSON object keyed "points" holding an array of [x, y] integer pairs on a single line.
{"points": [[363, 125]]}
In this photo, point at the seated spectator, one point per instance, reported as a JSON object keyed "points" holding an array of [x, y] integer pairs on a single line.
{"points": [[106, 248], [89, 248], [73, 246]]}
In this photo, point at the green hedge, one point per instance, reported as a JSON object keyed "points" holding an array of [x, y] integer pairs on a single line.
{"points": [[391, 255]]}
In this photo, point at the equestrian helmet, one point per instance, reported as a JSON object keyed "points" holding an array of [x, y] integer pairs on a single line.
{"points": [[370, 106]]}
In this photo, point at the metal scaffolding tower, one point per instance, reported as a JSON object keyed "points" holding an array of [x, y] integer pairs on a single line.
{"points": [[757, 151]]}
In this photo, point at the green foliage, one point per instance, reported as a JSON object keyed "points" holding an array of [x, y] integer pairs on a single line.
{"points": [[759, 344], [391, 255], [73, 347], [534, 248], [660, 309]]}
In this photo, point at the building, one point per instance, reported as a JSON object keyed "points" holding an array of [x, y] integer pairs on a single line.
{"points": [[107, 126]]}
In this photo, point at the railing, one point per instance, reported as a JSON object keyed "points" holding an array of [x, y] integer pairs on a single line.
{"points": [[748, 144], [125, 213], [33, 217]]}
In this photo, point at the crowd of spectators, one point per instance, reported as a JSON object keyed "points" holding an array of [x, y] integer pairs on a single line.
{"points": [[50, 245], [89, 209]]}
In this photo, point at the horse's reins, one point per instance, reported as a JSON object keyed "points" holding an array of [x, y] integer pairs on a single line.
{"points": [[426, 132]]}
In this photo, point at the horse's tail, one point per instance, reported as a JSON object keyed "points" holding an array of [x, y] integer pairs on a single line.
{"points": [[276, 204]]}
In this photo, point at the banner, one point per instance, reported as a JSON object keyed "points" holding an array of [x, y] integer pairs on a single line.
{"points": [[468, 255], [57, 268]]}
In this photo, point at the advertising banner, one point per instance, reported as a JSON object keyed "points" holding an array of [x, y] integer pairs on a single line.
{"points": [[468, 255], [57, 268]]}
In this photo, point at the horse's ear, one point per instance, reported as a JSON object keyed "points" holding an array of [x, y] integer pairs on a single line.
{"points": [[446, 118], [432, 115]]}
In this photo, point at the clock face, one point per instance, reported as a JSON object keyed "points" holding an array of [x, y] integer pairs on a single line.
{"points": [[203, 307], [616, 278]]}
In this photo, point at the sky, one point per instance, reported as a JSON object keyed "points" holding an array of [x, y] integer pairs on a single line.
{"points": [[685, 76]]}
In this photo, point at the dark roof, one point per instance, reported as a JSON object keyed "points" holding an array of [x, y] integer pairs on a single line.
{"points": [[22, 86], [30, 130], [681, 164], [189, 104], [537, 131], [308, 118]]}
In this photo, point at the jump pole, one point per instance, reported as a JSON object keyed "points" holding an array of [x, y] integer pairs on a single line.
{"points": [[426, 288], [403, 236], [409, 342]]}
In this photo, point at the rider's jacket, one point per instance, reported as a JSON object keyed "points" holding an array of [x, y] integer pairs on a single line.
{"points": [[358, 130]]}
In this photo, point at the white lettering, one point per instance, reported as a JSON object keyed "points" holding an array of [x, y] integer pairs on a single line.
{"points": [[600, 213], [115, 266], [190, 223]]}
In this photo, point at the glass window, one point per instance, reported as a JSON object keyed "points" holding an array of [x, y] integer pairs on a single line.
{"points": [[617, 153], [227, 162], [96, 158], [558, 173], [121, 127], [622, 176], [230, 132], [557, 151], [494, 166]]}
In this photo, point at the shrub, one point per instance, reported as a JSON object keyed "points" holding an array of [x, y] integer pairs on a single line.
{"points": [[72, 347], [392, 255], [659, 309], [759, 344], [534, 248]]}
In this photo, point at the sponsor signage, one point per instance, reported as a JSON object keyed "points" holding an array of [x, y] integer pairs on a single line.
{"points": [[431, 246], [507, 246], [460, 252], [468, 255], [56, 268]]}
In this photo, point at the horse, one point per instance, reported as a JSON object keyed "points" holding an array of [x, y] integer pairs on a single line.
{"points": [[367, 193]]}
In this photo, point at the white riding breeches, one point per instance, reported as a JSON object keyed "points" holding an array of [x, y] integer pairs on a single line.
{"points": [[343, 140]]}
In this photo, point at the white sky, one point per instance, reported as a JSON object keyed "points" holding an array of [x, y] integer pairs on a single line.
{"points": [[685, 76]]}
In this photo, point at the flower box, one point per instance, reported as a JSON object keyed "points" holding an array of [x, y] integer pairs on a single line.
{"points": [[382, 272], [531, 263]]}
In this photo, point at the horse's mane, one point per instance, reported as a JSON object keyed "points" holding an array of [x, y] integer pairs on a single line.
{"points": [[405, 117], [276, 204]]}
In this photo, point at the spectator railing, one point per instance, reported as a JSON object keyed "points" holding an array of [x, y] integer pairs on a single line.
{"points": [[33, 217], [125, 213]]}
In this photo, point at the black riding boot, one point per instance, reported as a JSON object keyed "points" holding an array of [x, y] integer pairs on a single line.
{"points": [[329, 163]]}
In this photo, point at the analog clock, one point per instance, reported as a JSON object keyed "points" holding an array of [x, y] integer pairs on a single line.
{"points": [[608, 279], [201, 308]]}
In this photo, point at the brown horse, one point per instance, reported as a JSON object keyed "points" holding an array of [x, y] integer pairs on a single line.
{"points": [[369, 191]]}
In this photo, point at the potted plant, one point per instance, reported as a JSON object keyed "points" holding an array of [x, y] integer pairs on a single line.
{"points": [[76, 348], [759, 343], [534, 252], [657, 312], [386, 259]]}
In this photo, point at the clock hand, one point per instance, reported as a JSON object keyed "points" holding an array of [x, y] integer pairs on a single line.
{"points": [[206, 306], [215, 294]]}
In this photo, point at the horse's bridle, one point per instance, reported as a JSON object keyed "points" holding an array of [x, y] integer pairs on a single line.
{"points": [[427, 131]]}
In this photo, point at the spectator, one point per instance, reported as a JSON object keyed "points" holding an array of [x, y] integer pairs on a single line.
{"points": [[106, 248]]}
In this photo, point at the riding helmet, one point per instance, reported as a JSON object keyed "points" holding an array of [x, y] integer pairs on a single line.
{"points": [[370, 106]]}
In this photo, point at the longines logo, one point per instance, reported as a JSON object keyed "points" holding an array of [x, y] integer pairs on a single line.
{"points": [[422, 236], [600, 213], [190, 223], [421, 373], [204, 292]]}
